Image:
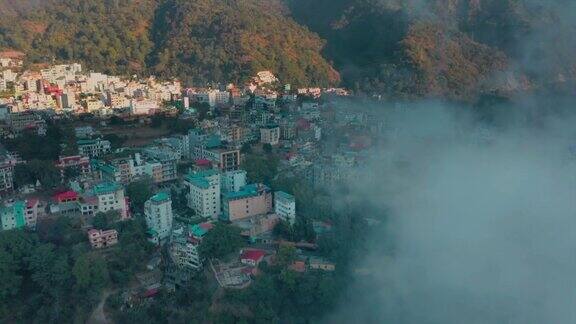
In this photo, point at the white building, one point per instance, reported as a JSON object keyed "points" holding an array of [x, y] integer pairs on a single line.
{"points": [[233, 180], [110, 197], [204, 193], [270, 135], [143, 107], [158, 215], [285, 206], [94, 148]]}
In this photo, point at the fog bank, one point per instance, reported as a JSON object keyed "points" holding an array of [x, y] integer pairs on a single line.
{"points": [[482, 221]]}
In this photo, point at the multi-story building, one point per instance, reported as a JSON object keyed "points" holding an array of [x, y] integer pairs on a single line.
{"points": [[287, 130], [110, 197], [199, 142], [80, 163], [94, 148], [20, 121], [270, 135], [93, 105], [100, 239], [143, 107], [84, 131], [204, 193], [233, 180], [34, 210], [65, 203], [12, 216], [224, 159], [184, 250], [251, 200], [285, 206], [104, 171], [7, 163], [167, 158], [159, 217], [124, 166]]}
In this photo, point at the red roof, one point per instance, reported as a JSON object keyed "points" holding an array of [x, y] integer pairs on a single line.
{"points": [[254, 255], [31, 202], [206, 226], [202, 162], [66, 195], [150, 292]]}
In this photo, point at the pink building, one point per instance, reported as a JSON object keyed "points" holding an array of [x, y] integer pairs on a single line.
{"points": [[101, 239], [251, 200]]}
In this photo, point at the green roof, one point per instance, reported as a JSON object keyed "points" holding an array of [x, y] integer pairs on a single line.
{"points": [[160, 197], [17, 211], [250, 190], [213, 141], [105, 188], [198, 179], [283, 195], [198, 231], [86, 141]]}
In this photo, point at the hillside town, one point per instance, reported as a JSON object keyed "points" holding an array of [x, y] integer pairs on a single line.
{"points": [[186, 161]]}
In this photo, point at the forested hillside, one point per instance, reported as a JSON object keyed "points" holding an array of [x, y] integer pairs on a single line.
{"points": [[199, 41], [446, 48], [455, 49], [229, 40]]}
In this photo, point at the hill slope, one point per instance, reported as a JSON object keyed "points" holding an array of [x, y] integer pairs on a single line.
{"points": [[456, 49], [447, 48], [200, 41]]}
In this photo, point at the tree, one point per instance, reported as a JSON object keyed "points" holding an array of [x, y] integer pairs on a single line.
{"points": [[267, 147], [90, 272], [246, 148], [261, 168], [115, 140], [220, 241], [303, 230], [284, 230], [139, 192], [11, 279], [50, 269], [286, 255], [37, 170], [202, 109], [105, 220], [131, 253]]}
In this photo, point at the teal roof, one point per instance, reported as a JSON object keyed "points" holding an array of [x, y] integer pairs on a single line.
{"points": [[105, 188], [108, 168], [198, 231], [17, 211], [160, 197], [283, 195], [213, 141], [198, 179], [86, 141], [152, 232], [250, 190], [200, 182]]}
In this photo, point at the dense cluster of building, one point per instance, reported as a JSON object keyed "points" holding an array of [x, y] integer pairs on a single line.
{"points": [[313, 141]]}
